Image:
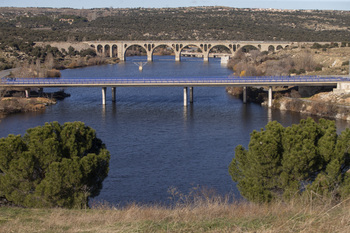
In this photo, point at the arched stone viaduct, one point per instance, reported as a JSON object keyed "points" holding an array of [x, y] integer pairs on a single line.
{"points": [[118, 48]]}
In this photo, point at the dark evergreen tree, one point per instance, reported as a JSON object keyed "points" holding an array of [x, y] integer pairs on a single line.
{"points": [[257, 169], [53, 166], [283, 162]]}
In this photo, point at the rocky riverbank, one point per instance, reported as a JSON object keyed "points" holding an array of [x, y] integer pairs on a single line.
{"points": [[15, 103], [326, 104], [10, 105], [307, 100]]}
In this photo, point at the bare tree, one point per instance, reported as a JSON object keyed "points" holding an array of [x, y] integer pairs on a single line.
{"points": [[279, 67], [49, 61], [305, 61]]}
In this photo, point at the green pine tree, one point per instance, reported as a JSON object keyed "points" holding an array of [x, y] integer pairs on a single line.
{"points": [[53, 166], [284, 162]]}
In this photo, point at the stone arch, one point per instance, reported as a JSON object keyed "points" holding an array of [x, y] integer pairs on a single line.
{"points": [[279, 47], [114, 50], [163, 49], [271, 48], [221, 49], [246, 48], [99, 49], [107, 50], [134, 50], [190, 46]]}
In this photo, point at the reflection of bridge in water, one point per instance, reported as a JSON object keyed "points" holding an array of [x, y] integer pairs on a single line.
{"points": [[27, 83], [205, 48]]}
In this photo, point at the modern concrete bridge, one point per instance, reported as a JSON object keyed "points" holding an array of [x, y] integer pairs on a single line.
{"points": [[340, 81], [118, 48]]}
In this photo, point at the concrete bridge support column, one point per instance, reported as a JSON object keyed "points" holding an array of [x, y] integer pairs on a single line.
{"points": [[27, 91], [113, 94], [121, 52], [205, 57], [111, 50], [104, 95], [177, 56], [149, 57], [269, 103], [185, 96], [191, 95], [244, 95]]}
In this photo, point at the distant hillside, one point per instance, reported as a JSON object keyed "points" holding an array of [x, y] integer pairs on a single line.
{"points": [[196, 23]]}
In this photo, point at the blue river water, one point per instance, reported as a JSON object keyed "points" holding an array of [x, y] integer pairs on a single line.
{"points": [[155, 142]]}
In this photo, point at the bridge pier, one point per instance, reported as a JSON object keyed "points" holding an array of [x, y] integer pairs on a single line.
{"points": [[185, 96], [111, 51], [269, 103], [149, 57], [113, 94], [244, 95], [104, 95], [191, 95], [27, 91], [206, 57], [177, 56]]}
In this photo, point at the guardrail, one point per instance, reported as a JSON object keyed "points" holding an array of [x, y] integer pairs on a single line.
{"points": [[170, 80]]}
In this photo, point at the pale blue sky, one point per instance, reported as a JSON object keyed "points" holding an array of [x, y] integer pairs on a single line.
{"points": [[278, 4]]}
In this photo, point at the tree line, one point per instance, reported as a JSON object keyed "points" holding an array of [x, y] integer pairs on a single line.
{"points": [[181, 23]]}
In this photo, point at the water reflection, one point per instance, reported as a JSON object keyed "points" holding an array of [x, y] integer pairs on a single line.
{"points": [[269, 114], [103, 112]]}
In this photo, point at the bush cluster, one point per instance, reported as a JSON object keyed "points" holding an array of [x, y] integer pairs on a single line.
{"points": [[281, 163], [53, 166]]}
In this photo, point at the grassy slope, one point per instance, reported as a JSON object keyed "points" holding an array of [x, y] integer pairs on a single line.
{"points": [[205, 216]]}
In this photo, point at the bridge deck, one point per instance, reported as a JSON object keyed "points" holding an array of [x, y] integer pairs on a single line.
{"points": [[173, 81]]}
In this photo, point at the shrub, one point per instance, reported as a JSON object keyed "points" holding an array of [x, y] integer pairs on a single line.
{"points": [[283, 162], [53, 166], [316, 46], [88, 52], [53, 73], [318, 68]]}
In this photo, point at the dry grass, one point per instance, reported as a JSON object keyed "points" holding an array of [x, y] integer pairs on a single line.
{"points": [[202, 215]]}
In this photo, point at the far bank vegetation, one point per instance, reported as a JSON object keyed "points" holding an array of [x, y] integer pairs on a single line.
{"points": [[47, 61], [37, 69], [284, 63], [327, 59]]}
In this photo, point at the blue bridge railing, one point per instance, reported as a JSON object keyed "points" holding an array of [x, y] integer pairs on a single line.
{"points": [[172, 80]]}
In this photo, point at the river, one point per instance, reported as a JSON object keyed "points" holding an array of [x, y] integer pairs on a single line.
{"points": [[155, 142]]}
